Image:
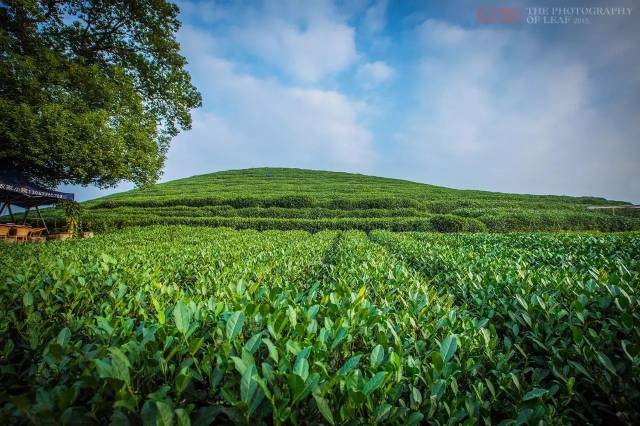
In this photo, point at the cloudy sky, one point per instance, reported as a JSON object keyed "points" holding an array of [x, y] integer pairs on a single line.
{"points": [[426, 91]]}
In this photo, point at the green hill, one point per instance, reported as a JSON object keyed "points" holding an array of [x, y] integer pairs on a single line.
{"points": [[273, 198]]}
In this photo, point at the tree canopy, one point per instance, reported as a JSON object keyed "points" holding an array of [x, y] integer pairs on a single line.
{"points": [[91, 92]]}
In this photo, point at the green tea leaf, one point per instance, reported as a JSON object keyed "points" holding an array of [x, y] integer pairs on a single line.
{"points": [[120, 365], [273, 351], [377, 356], [604, 360], [234, 324], [382, 411], [534, 393], [63, 337], [207, 415], [27, 299], [349, 365], [182, 317], [182, 381], [240, 365], [414, 418], [416, 395], [312, 312], [374, 383], [183, 417], [448, 347], [164, 415], [148, 413], [253, 344], [324, 409], [340, 336], [301, 368], [103, 368], [248, 384], [437, 389]]}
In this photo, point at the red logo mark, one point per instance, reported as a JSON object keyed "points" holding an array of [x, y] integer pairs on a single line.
{"points": [[498, 15]]}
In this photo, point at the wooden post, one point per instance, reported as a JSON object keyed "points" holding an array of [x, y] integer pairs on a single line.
{"points": [[42, 219], [10, 212], [26, 213]]}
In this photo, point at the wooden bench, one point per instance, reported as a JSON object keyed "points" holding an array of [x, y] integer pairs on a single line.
{"points": [[4, 231], [21, 233], [36, 234]]}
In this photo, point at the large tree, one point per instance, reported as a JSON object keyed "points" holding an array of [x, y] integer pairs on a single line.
{"points": [[91, 92]]}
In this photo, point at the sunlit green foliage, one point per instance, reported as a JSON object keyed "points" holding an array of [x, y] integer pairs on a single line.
{"points": [[91, 92], [185, 325]]}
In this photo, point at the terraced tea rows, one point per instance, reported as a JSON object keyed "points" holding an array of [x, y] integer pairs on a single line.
{"points": [[271, 198], [199, 326]]}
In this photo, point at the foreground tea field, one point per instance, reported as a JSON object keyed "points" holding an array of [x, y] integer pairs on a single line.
{"points": [[181, 325]]}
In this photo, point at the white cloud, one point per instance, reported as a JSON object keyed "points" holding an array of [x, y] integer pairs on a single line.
{"points": [[508, 108], [249, 121], [374, 73], [375, 16], [305, 41], [307, 51], [438, 32], [209, 11], [499, 110]]}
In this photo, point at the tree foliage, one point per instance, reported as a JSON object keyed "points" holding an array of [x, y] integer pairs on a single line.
{"points": [[91, 92]]}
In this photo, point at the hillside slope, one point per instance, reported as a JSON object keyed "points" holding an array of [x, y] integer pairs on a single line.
{"points": [[271, 198]]}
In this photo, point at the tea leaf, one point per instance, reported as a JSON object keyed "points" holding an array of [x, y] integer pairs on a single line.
{"points": [[234, 324], [324, 409], [340, 336], [182, 317], [374, 383], [349, 365], [377, 356], [448, 347], [534, 393]]}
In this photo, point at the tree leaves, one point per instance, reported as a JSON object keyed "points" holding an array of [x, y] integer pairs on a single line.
{"points": [[604, 360], [253, 344], [157, 413], [91, 93], [301, 365]]}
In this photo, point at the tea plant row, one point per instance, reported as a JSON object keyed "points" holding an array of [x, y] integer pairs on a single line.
{"points": [[192, 325]]}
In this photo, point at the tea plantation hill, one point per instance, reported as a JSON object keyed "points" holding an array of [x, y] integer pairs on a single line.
{"points": [[278, 198]]}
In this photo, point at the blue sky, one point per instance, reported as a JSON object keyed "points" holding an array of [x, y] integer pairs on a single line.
{"points": [[416, 90]]}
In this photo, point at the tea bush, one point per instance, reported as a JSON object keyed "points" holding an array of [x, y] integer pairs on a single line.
{"points": [[293, 198], [196, 325]]}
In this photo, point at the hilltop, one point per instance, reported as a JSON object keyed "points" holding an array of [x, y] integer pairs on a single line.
{"points": [[278, 198]]}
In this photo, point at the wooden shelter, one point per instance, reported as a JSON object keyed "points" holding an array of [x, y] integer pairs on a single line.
{"points": [[18, 191]]}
